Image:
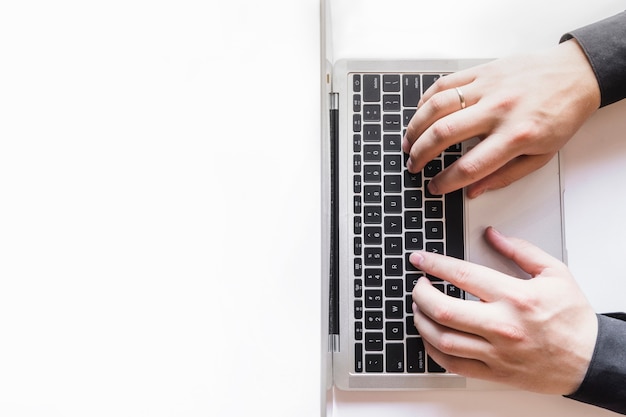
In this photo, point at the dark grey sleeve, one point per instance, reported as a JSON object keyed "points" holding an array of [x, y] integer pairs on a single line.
{"points": [[605, 383], [604, 42]]}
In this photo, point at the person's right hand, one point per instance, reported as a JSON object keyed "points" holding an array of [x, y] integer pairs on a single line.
{"points": [[523, 108]]}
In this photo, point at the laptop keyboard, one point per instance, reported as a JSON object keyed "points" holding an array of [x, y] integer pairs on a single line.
{"points": [[394, 215]]}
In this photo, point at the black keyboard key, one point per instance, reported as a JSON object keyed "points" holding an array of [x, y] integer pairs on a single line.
{"points": [[391, 102], [408, 303], [393, 225], [434, 209], [393, 288], [373, 235], [393, 204], [392, 143], [392, 163], [358, 330], [371, 194], [356, 143], [371, 173], [414, 241], [411, 330], [410, 280], [435, 247], [415, 355], [392, 123], [412, 219], [433, 168], [371, 88], [373, 214], [394, 360], [393, 267], [356, 163], [391, 82], [356, 103], [373, 256], [449, 160], [371, 113], [393, 309], [409, 266], [358, 288], [373, 298], [358, 357], [373, 277], [357, 184], [358, 246], [434, 367], [393, 246], [454, 291], [358, 309], [371, 153], [434, 230], [374, 363], [454, 224], [413, 199], [356, 123], [374, 320], [429, 80], [356, 83], [407, 115], [358, 224], [357, 204], [412, 180], [374, 342], [393, 183], [358, 267], [394, 330], [410, 90], [371, 133]]}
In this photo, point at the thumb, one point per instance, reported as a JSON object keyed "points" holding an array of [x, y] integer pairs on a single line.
{"points": [[527, 256]]}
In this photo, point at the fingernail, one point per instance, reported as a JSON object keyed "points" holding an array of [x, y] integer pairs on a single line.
{"points": [[416, 258], [406, 146], [433, 188]]}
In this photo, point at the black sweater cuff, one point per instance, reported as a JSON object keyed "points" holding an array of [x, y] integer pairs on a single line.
{"points": [[605, 382], [604, 43]]}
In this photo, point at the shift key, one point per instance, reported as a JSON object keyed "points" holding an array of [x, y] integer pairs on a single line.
{"points": [[371, 88], [411, 90]]}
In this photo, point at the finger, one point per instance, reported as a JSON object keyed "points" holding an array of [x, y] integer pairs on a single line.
{"points": [[437, 311], [485, 283], [439, 105], [527, 256], [444, 132], [471, 368], [512, 171], [450, 81], [481, 161]]}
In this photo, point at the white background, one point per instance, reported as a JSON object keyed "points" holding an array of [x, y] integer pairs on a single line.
{"points": [[160, 204]]}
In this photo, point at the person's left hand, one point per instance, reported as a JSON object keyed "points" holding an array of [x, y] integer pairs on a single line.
{"points": [[537, 334]]}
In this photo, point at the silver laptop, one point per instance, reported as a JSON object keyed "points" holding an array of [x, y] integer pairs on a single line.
{"points": [[375, 213]]}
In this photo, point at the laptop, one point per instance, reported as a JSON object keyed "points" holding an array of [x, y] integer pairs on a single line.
{"points": [[375, 213]]}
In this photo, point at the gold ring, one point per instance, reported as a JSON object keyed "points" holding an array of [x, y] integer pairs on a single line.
{"points": [[461, 97]]}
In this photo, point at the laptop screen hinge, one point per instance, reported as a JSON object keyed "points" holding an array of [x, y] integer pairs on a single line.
{"points": [[334, 101]]}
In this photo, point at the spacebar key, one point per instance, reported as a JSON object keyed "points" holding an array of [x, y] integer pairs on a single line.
{"points": [[454, 224]]}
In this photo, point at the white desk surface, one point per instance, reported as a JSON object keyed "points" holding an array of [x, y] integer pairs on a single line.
{"points": [[160, 256]]}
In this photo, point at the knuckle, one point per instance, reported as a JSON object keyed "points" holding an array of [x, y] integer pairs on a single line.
{"points": [[511, 333], [442, 314], [442, 130], [468, 168], [437, 103], [446, 344]]}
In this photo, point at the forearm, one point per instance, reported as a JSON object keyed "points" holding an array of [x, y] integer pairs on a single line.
{"points": [[604, 43]]}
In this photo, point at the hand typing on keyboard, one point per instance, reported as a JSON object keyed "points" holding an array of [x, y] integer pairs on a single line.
{"points": [[537, 334], [524, 109]]}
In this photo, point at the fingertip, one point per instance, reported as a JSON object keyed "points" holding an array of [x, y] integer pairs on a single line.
{"points": [[416, 258]]}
